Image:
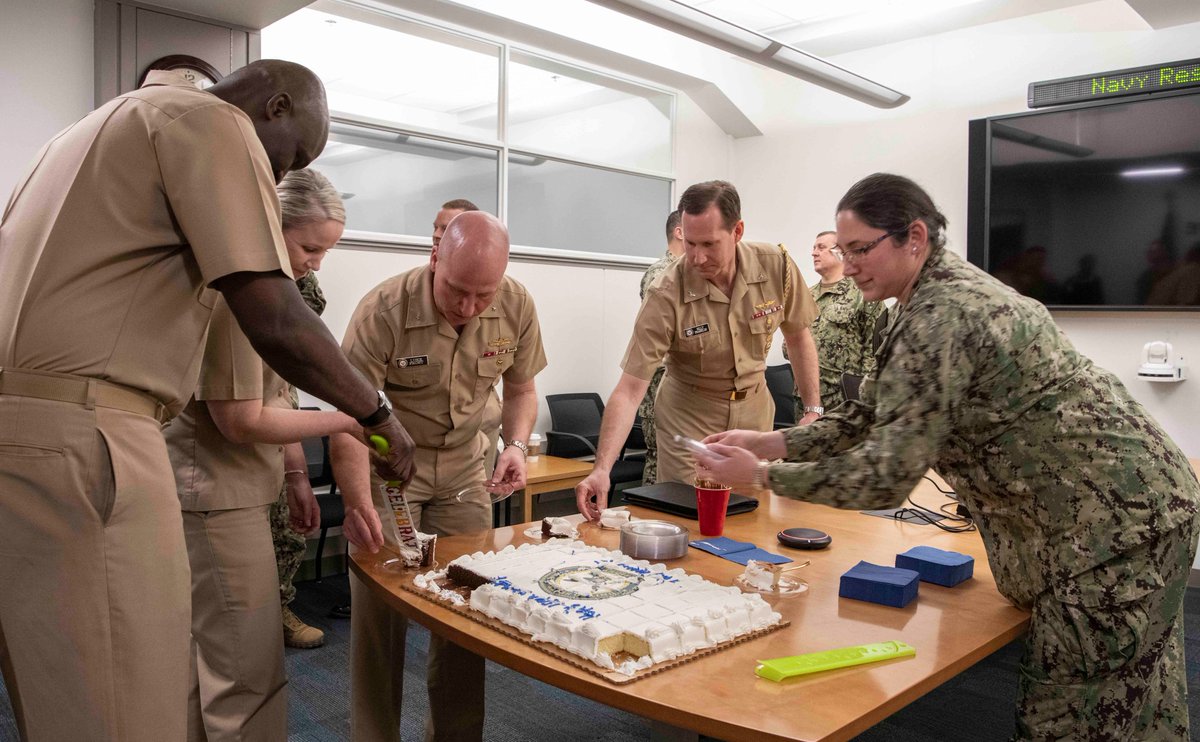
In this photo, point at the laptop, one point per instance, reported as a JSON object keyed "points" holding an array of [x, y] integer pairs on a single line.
{"points": [[678, 498]]}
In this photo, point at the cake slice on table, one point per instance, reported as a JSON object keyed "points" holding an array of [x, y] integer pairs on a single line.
{"points": [[423, 555], [557, 528], [614, 518]]}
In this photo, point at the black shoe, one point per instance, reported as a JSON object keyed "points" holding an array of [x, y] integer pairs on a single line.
{"points": [[340, 611]]}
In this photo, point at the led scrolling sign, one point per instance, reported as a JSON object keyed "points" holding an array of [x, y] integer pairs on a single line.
{"points": [[1136, 81]]}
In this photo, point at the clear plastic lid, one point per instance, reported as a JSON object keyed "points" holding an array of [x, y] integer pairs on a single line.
{"points": [[495, 491]]}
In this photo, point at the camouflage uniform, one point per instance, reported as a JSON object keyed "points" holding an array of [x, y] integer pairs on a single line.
{"points": [[1087, 509], [646, 408], [289, 545], [843, 333]]}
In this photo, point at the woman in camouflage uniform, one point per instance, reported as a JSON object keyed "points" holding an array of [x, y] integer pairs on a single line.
{"points": [[1086, 507]]}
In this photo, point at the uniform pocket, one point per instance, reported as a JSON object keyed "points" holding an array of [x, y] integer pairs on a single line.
{"points": [[413, 377], [490, 369], [101, 480]]}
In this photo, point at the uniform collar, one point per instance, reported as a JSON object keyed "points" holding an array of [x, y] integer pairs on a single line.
{"points": [[749, 270], [841, 287], [169, 78]]}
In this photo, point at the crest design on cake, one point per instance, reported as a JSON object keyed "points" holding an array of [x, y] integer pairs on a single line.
{"points": [[583, 582]]}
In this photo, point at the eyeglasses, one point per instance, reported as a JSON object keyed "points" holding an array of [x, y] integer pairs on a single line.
{"points": [[853, 256]]}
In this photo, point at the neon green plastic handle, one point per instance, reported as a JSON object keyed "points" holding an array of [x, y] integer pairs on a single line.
{"points": [[381, 444], [782, 668]]}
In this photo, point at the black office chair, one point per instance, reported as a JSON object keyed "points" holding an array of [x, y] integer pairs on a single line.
{"points": [[850, 384], [576, 420], [320, 475], [781, 386]]}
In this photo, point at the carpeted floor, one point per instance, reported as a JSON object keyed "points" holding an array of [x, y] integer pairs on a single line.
{"points": [[976, 705]]}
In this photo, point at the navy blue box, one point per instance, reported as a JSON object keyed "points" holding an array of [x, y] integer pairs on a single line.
{"points": [[937, 566], [878, 584]]}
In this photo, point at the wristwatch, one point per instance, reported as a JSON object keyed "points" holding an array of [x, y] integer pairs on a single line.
{"points": [[814, 408], [521, 445], [380, 414]]}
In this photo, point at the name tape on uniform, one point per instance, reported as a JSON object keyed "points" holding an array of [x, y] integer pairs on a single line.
{"points": [[412, 361], [697, 330]]}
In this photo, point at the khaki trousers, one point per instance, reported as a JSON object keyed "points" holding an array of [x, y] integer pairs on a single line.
{"points": [[238, 690], [94, 600], [455, 676], [681, 409]]}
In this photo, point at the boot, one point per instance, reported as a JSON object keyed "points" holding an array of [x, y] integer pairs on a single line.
{"points": [[298, 634]]}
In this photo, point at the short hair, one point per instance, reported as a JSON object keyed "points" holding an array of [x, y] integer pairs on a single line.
{"points": [[892, 202], [697, 198], [307, 197], [673, 220], [822, 234], [460, 204]]}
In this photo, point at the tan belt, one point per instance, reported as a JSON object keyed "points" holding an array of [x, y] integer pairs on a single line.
{"points": [[731, 394], [82, 390]]}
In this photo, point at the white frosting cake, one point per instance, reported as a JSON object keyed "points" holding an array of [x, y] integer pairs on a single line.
{"points": [[598, 603], [614, 517]]}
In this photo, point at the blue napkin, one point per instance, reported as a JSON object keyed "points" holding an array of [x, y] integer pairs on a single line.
{"points": [[739, 552]]}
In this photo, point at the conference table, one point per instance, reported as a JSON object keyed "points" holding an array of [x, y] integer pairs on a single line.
{"points": [[719, 694]]}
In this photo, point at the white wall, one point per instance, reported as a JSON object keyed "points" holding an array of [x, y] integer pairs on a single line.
{"points": [[815, 145], [46, 79]]}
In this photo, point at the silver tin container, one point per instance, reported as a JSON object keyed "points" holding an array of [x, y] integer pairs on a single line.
{"points": [[654, 540]]}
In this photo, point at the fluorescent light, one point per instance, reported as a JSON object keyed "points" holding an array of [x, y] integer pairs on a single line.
{"points": [[681, 18], [817, 67], [1152, 172], [706, 23]]}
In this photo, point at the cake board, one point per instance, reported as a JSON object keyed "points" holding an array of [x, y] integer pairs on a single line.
{"points": [[612, 676]]}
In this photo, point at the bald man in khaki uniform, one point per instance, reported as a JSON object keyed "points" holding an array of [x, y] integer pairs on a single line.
{"points": [[712, 315], [107, 248], [438, 339]]}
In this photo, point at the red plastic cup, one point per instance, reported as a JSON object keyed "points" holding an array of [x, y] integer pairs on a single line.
{"points": [[711, 501]]}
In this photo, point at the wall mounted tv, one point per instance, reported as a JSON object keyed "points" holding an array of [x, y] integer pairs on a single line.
{"points": [[1091, 206]]}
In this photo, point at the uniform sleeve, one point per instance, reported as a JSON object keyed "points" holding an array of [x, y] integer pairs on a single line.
{"points": [[799, 308], [218, 182], [653, 333], [531, 356], [230, 370], [927, 372], [369, 340]]}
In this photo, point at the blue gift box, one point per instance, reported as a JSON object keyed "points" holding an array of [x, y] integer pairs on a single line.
{"points": [[875, 583], [937, 566]]}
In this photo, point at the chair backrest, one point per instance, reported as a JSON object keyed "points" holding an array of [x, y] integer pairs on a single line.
{"points": [[316, 455], [780, 385], [577, 413]]}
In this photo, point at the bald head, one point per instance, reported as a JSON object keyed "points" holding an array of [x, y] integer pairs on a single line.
{"points": [[468, 266], [286, 102]]}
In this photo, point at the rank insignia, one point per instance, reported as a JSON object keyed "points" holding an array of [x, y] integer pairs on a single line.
{"points": [[697, 330], [412, 361]]}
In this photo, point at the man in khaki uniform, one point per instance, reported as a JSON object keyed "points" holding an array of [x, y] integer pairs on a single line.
{"points": [[446, 214], [712, 315], [107, 249], [438, 339], [646, 408]]}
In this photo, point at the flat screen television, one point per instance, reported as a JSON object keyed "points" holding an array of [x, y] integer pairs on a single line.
{"points": [[1091, 206]]}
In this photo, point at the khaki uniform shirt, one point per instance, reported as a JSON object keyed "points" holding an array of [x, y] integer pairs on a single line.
{"points": [[843, 333], [442, 383], [715, 341], [211, 471], [646, 408], [108, 243], [1062, 469]]}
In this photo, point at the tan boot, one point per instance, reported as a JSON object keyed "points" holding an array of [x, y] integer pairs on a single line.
{"points": [[298, 634]]}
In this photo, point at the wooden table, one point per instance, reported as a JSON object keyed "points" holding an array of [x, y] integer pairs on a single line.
{"points": [[719, 695], [548, 474]]}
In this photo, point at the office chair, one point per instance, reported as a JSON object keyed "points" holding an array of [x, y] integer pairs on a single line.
{"points": [[781, 386], [576, 420], [850, 384], [320, 474]]}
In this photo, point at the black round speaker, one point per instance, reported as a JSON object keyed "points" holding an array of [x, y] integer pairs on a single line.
{"points": [[804, 538]]}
